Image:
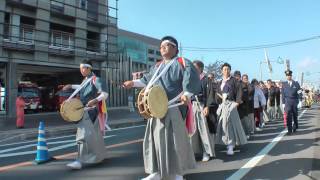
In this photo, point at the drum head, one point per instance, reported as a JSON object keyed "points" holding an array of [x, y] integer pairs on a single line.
{"points": [[72, 110], [157, 101]]}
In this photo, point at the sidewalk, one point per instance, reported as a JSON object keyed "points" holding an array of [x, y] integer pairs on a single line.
{"points": [[55, 125]]}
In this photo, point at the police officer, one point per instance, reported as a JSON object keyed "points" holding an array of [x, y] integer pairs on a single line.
{"points": [[290, 100]]}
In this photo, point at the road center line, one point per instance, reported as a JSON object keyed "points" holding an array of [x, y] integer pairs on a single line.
{"points": [[257, 158]]}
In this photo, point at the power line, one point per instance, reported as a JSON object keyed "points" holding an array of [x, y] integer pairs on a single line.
{"points": [[248, 48]]}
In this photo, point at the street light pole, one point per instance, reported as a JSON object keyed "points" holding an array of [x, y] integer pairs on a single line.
{"points": [[260, 70], [279, 61]]}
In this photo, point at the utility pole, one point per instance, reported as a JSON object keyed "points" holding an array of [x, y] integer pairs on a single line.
{"points": [[180, 49]]}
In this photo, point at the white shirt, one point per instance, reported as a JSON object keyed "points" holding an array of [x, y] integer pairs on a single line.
{"points": [[223, 83], [259, 97]]}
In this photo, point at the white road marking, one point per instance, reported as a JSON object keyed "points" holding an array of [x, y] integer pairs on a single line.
{"points": [[257, 158], [50, 150], [60, 137]]}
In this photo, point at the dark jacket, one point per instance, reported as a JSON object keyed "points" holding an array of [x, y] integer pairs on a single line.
{"points": [[246, 106], [202, 95], [290, 93], [211, 100], [278, 93], [212, 104], [272, 95], [233, 88]]}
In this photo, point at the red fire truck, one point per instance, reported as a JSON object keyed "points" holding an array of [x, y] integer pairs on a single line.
{"points": [[31, 95]]}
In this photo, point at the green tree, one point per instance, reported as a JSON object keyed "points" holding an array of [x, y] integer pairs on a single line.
{"points": [[215, 69]]}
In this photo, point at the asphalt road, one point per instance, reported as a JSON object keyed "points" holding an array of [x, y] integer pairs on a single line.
{"points": [[270, 154]]}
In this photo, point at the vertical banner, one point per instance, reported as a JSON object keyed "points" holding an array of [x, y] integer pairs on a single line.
{"points": [[268, 62]]}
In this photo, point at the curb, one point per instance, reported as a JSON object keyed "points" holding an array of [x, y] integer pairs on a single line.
{"points": [[32, 133]]}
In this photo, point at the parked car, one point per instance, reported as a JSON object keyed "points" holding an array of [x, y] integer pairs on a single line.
{"points": [[31, 95]]}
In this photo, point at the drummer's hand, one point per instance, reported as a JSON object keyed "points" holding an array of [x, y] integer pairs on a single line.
{"points": [[67, 87], [184, 99], [206, 111], [127, 84], [92, 102]]}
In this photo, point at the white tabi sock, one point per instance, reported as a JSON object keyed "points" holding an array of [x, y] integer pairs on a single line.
{"points": [[153, 176]]}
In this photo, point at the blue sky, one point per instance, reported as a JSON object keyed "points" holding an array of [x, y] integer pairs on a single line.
{"points": [[226, 23]]}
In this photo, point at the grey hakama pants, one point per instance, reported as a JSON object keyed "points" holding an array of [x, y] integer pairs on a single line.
{"points": [[248, 124], [265, 117], [252, 126], [202, 140], [90, 141], [166, 146], [229, 130], [271, 111]]}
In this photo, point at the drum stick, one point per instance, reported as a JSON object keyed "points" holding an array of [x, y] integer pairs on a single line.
{"points": [[175, 105], [220, 96]]}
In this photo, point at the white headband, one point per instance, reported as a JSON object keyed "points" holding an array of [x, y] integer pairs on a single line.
{"points": [[169, 42], [86, 65]]}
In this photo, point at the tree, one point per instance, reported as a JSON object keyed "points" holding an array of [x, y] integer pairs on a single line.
{"points": [[215, 69]]}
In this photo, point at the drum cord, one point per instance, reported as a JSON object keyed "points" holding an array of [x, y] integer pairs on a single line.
{"points": [[79, 88]]}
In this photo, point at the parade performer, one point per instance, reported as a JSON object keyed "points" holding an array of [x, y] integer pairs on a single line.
{"points": [[167, 151], [89, 137], [243, 109], [229, 130], [290, 100], [259, 103], [250, 105], [203, 140], [271, 109], [211, 105]]}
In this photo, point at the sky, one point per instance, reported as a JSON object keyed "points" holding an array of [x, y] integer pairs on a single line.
{"points": [[234, 23]]}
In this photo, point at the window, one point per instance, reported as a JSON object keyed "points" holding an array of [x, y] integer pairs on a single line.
{"points": [[150, 51], [26, 33], [26, 29], [93, 9], [83, 4], [158, 53], [151, 59], [93, 41], [62, 39], [57, 6], [62, 36], [6, 30]]}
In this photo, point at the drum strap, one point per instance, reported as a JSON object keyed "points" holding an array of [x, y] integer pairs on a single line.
{"points": [[156, 77], [83, 84]]}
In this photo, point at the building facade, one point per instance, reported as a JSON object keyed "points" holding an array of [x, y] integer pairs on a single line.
{"points": [[42, 43], [142, 50]]}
